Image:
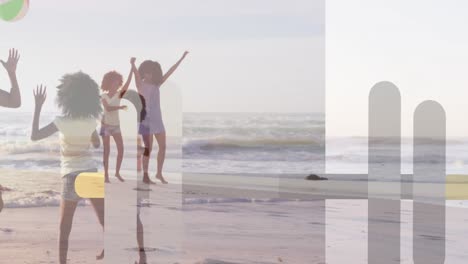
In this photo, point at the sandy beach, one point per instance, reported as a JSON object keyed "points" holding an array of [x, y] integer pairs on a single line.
{"points": [[30, 236], [248, 233], [212, 230], [219, 222], [174, 233]]}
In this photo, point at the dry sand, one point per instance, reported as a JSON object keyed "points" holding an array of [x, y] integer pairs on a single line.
{"points": [[231, 229]]}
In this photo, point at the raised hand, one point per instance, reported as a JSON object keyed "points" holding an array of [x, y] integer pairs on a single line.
{"points": [[132, 60], [174, 68], [40, 95], [12, 62]]}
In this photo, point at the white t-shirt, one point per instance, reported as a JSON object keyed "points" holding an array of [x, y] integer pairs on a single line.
{"points": [[111, 118], [75, 142]]}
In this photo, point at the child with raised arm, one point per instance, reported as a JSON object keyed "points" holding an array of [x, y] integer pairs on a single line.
{"points": [[149, 78], [110, 125], [10, 99], [79, 101]]}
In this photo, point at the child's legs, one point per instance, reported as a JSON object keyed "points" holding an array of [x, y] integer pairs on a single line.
{"points": [[140, 151], [161, 139], [140, 234], [98, 205], [67, 211], [120, 151], [106, 152], [148, 142]]}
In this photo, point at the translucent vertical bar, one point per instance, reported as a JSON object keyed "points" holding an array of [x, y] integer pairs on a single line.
{"points": [[121, 198], [384, 166], [144, 220], [287, 189], [161, 215], [429, 184]]}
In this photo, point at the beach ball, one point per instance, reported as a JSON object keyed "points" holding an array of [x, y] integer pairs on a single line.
{"points": [[13, 10]]}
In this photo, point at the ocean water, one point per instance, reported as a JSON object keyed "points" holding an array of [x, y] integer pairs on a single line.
{"points": [[349, 155], [253, 143], [211, 143], [232, 144]]}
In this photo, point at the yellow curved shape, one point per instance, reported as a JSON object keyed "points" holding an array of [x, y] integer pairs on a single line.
{"points": [[457, 187], [90, 185]]}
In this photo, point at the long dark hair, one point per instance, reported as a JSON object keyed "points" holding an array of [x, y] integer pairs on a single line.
{"points": [[153, 68]]}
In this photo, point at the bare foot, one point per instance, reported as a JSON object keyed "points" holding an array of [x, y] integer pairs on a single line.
{"points": [[147, 180], [142, 259], [161, 178], [117, 175], [106, 180], [100, 256]]}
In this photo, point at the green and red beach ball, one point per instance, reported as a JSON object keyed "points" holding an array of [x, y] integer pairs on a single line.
{"points": [[13, 10]]}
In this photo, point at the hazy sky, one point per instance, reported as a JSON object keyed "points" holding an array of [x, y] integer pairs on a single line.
{"points": [[259, 55], [420, 45], [246, 55]]}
